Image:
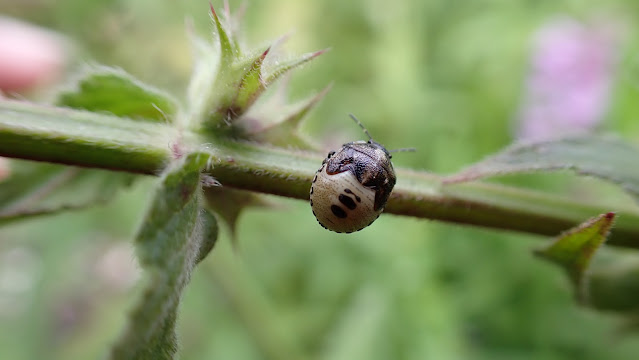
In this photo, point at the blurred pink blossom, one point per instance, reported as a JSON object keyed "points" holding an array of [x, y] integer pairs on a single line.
{"points": [[572, 69], [30, 56]]}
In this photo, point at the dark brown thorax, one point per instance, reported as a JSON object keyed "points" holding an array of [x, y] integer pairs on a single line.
{"points": [[371, 164]]}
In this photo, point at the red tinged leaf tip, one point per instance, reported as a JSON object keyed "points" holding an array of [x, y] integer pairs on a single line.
{"points": [[213, 13], [574, 249], [265, 53], [257, 63], [320, 52], [227, 45]]}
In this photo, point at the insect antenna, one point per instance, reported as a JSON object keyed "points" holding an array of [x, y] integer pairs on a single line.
{"points": [[361, 125], [402, 150]]}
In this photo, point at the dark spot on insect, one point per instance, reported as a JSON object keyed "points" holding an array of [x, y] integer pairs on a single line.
{"points": [[346, 161], [330, 154], [348, 191], [311, 190], [347, 201], [311, 202], [315, 178], [338, 211]]}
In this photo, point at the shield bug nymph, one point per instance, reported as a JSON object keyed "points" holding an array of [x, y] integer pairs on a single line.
{"points": [[350, 189]]}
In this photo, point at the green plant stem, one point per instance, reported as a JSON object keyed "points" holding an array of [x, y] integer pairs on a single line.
{"points": [[81, 138], [47, 133]]}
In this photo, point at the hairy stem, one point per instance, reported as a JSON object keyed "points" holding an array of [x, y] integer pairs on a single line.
{"points": [[80, 138], [46, 133]]}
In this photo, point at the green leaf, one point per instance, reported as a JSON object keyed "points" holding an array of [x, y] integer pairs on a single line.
{"points": [[279, 121], [242, 82], [210, 230], [283, 67], [226, 83], [200, 92], [574, 249], [228, 46], [605, 157], [174, 236], [229, 203], [215, 78], [251, 86], [236, 88], [35, 188], [113, 91]]}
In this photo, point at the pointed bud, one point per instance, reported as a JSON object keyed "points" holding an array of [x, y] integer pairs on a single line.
{"points": [[574, 249]]}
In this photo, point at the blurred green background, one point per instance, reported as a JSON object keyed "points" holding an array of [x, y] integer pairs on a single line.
{"points": [[444, 76]]}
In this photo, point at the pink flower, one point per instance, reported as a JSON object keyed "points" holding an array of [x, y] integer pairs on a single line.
{"points": [[571, 72], [29, 56]]}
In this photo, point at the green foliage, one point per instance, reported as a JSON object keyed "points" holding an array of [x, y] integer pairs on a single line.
{"points": [[604, 157], [174, 236], [177, 233], [610, 284], [279, 121], [432, 75], [574, 249], [113, 91], [228, 79], [39, 189], [229, 204]]}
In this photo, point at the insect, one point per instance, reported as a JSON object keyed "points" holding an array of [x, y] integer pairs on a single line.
{"points": [[350, 189]]}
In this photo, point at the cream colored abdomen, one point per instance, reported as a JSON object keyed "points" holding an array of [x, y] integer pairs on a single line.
{"points": [[340, 203]]}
